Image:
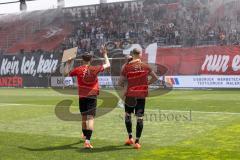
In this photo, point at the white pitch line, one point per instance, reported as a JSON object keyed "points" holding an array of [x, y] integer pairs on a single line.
{"points": [[10, 104], [202, 112], [21, 104], [151, 110]]}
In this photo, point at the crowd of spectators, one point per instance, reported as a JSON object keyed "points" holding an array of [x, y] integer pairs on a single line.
{"points": [[167, 22]]}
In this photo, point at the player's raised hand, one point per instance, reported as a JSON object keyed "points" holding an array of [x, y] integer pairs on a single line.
{"points": [[103, 50], [105, 55]]}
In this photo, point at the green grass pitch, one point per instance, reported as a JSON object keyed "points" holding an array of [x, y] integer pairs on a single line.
{"points": [[30, 130]]}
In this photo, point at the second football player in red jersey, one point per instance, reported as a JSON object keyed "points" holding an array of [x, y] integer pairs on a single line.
{"points": [[136, 74], [88, 89]]}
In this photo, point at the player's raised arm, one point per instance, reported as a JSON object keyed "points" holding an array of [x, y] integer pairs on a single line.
{"points": [[153, 78], [105, 56]]}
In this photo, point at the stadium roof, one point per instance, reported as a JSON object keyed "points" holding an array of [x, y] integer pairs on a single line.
{"points": [[13, 6]]}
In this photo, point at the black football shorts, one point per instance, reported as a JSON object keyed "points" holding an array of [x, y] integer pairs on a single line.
{"points": [[88, 105], [135, 105]]}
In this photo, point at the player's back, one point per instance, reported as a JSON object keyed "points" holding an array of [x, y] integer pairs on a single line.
{"points": [[136, 73], [87, 79]]}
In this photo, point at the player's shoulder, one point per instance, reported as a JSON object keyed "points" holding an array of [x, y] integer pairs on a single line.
{"points": [[80, 68], [77, 68], [125, 66], [144, 64], [95, 66]]}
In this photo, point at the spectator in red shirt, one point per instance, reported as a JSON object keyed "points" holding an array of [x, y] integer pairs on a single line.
{"points": [[88, 90]]}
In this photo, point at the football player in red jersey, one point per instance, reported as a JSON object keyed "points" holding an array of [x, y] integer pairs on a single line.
{"points": [[88, 89], [136, 73]]}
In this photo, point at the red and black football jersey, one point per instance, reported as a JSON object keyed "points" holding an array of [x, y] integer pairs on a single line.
{"points": [[87, 79], [136, 73]]}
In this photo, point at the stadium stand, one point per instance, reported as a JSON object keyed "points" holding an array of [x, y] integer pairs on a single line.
{"points": [[43, 30], [167, 22]]}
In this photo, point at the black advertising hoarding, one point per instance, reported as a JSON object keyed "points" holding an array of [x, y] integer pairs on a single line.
{"points": [[28, 70]]}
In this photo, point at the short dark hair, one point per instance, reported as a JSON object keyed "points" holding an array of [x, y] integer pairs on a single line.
{"points": [[135, 52], [87, 57]]}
